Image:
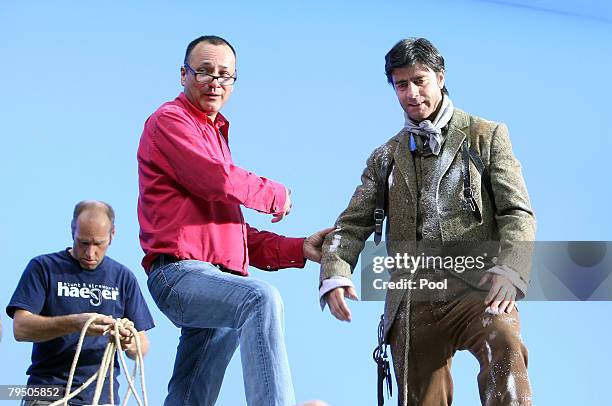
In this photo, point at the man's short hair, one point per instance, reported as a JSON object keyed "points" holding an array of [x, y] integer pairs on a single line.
{"points": [[412, 51], [210, 39], [89, 205]]}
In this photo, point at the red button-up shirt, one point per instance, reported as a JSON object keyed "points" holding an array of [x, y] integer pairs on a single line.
{"points": [[191, 192]]}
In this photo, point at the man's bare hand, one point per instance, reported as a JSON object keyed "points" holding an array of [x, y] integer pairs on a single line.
{"points": [[502, 295], [126, 338], [313, 244], [337, 304], [100, 326], [286, 209]]}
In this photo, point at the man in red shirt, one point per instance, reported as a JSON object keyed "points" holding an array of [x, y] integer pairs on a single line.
{"points": [[198, 247]]}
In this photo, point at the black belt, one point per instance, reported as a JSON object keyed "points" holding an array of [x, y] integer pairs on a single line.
{"points": [[164, 259], [161, 260]]}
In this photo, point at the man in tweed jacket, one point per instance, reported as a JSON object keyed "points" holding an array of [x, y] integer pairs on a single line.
{"points": [[428, 202]]}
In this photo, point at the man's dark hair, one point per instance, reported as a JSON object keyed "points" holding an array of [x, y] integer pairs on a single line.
{"points": [[210, 39], [92, 205], [411, 51]]}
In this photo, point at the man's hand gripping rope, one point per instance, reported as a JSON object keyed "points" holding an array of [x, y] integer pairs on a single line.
{"points": [[118, 339]]}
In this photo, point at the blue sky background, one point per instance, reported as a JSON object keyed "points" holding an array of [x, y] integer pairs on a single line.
{"points": [[78, 79]]}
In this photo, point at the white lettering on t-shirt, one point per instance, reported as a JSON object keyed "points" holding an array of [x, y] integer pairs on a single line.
{"points": [[94, 292]]}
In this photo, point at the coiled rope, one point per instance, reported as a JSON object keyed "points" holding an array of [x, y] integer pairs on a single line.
{"points": [[107, 364]]}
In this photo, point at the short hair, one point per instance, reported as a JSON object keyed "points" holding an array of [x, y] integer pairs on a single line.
{"points": [[92, 205], [210, 39], [411, 51]]}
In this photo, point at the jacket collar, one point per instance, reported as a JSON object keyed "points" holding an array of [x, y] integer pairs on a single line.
{"points": [[453, 140]]}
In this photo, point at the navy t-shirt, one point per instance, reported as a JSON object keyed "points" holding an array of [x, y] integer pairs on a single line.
{"points": [[56, 285]]}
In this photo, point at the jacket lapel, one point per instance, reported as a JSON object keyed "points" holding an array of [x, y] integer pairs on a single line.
{"points": [[454, 138], [405, 162]]}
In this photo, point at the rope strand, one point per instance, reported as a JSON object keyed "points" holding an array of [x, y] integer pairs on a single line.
{"points": [[107, 366]]}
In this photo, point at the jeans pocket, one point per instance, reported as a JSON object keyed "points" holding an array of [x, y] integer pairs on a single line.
{"points": [[165, 296]]}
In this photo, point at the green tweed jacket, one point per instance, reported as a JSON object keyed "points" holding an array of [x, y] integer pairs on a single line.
{"points": [[509, 219]]}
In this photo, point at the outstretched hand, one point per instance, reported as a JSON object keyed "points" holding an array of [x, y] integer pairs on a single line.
{"points": [[337, 304], [313, 244]]}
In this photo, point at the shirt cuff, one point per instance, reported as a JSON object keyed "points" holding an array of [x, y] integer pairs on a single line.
{"points": [[280, 197], [330, 284], [291, 253]]}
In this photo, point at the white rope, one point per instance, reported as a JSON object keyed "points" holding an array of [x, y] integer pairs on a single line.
{"points": [[108, 365]]}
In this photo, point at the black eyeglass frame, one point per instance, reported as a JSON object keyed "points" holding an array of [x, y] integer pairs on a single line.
{"points": [[222, 80]]}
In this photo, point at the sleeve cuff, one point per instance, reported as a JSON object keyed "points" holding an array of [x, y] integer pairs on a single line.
{"points": [[13, 307], [291, 253], [280, 197], [269, 198]]}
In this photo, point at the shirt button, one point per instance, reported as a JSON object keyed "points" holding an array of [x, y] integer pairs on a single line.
{"points": [[268, 267]]}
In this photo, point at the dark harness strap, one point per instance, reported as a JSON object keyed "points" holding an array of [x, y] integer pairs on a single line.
{"points": [[468, 194], [382, 362], [381, 197]]}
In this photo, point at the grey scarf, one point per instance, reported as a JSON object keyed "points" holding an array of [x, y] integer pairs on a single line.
{"points": [[432, 130]]}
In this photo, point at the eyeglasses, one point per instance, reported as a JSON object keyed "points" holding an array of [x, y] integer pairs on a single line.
{"points": [[203, 77]]}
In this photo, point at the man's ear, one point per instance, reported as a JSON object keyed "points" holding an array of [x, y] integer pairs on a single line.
{"points": [[183, 75], [112, 235]]}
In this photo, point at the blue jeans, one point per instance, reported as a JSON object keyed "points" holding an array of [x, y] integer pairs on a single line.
{"points": [[217, 311]]}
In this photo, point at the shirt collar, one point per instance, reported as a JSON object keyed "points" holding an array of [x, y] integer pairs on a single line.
{"points": [[220, 123]]}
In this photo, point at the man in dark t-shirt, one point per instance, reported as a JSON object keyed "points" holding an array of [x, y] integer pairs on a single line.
{"points": [[59, 292]]}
